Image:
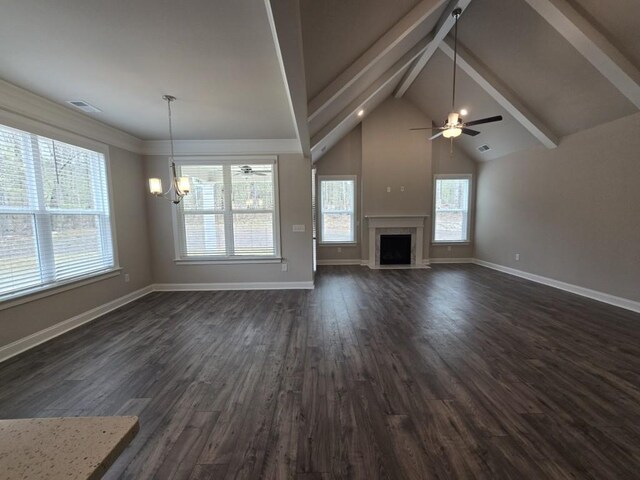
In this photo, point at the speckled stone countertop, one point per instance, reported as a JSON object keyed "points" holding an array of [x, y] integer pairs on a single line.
{"points": [[57, 448]]}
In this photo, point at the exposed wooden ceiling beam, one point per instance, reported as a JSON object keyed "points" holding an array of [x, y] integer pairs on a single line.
{"points": [[408, 25], [592, 45], [501, 94], [284, 20], [368, 100], [444, 26]]}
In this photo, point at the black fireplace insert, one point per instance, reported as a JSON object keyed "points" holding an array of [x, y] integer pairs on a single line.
{"points": [[395, 249]]}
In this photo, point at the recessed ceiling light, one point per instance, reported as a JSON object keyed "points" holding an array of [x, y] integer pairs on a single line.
{"points": [[463, 112], [361, 113], [84, 106]]}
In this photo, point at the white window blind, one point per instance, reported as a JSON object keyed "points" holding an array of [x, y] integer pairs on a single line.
{"points": [[337, 209], [451, 223], [54, 212], [230, 212]]}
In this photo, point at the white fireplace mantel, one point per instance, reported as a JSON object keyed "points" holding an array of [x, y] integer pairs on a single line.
{"points": [[377, 222]]}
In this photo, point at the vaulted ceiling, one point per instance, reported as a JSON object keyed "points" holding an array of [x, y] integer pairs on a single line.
{"points": [[550, 67], [301, 70]]}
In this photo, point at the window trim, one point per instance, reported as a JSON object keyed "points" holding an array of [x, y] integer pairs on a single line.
{"points": [[319, 217], [453, 176], [178, 226], [40, 291]]}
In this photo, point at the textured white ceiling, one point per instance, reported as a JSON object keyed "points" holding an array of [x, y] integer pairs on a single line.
{"points": [[552, 78], [619, 21], [336, 32], [217, 57]]}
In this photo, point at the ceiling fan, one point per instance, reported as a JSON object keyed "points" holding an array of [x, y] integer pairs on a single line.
{"points": [[454, 126], [246, 170]]}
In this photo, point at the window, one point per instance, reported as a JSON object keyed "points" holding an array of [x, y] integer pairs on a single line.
{"points": [[452, 195], [231, 212], [55, 224], [337, 209]]}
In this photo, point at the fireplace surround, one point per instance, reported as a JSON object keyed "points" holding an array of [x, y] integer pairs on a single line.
{"points": [[412, 225]]}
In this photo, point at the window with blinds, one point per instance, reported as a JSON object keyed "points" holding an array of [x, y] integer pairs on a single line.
{"points": [[451, 205], [230, 212], [54, 213]]}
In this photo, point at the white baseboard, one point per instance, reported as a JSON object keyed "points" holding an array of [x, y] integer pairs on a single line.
{"points": [[585, 292], [180, 287], [42, 336], [47, 334], [451, 260], [340, 261]]}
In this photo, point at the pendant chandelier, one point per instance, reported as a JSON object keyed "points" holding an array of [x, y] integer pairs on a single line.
{"points": [[180, 186]]}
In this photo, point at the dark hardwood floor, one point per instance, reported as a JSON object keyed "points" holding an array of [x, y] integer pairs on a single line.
{"points": [[454, 372]]}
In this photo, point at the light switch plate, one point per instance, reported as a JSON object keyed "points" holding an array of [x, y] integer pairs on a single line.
{"points": [[298, 228]]}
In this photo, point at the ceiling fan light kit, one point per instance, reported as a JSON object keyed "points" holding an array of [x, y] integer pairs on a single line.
{"points": [[454, 127]]}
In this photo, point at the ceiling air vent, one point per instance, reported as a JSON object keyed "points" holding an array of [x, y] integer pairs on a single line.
{"points": [[484, 148], [84, 106]]}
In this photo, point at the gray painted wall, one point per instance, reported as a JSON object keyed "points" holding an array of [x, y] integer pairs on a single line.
{"points": [[128, 184], [294, 179], [444, 163], [345, 158], [396, 157], [572, 213]]}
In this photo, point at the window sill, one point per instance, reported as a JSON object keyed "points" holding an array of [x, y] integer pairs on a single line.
{"points": [[226, 261], [48, 290]]}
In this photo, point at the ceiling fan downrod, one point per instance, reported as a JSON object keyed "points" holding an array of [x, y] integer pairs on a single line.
{"points": [[456, 15]]}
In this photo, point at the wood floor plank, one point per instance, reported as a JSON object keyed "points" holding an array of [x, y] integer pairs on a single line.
{"points": [[454, 372]]}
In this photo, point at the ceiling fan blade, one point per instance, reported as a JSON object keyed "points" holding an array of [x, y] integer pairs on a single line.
{"points": [[497, 118], [427, 128], [468, 131], [436, 136]]}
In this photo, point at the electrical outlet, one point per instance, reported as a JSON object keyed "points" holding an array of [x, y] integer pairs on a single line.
{"points": [[402, 189], [126, 278], [388, 189], [517, 257], [285, 267], [449, 248], [339, 249]]}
